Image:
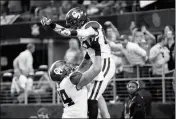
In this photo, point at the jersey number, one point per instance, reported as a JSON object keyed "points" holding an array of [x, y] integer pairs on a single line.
{"points": [[65, 98]]}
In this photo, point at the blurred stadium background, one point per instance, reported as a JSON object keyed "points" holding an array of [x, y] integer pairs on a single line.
{"points": [[20, 25]]}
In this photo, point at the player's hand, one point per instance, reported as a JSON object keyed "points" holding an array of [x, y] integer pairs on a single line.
{"points": [[95, 44], [143, 29], [45, 21], [66, 32], [108, 23]]}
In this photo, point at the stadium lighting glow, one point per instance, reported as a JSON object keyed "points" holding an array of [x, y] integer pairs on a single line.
{"points": [[147, 2]]}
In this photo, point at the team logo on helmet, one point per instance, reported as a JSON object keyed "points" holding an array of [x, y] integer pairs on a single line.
{"points": [[58, 71], [76, 18]]}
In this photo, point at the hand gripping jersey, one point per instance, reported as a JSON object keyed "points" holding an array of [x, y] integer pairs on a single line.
{"points": [[85, 41], [74, 101]]}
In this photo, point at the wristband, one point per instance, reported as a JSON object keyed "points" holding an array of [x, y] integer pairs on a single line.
{"points": [[98, 52], [53, 25], [74, 33]]}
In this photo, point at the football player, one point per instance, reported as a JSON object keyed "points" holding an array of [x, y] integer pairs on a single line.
{"points": [[71, 85], [80, 26]]}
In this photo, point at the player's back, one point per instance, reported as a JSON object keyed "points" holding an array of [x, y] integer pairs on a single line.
{"points": [[105, 49], [74, 101]]}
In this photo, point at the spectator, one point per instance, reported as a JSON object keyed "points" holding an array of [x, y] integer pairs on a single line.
{"points": [[159, 57], [138, 38], [65, 7], [105, 7], [132, 29], [23, 68], [43, 113], [171, 64], [74, 55], [50, 11], [132, 51], [171, 45], [23, 63], [167, 29], [112, 34], [149, 39], [138, 103], [92, 8]]}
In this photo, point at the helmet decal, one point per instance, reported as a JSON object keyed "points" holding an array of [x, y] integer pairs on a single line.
{"points": [[76, 14], [58, 71]]}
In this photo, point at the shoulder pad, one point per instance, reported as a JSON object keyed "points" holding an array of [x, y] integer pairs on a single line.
{"points": [[75, 77], [93, 24]]}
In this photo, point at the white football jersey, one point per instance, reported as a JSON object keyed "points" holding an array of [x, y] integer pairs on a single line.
{"points": [[74, 101], [85, 41]]}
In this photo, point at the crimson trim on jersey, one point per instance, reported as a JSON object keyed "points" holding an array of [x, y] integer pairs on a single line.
{"points": [[93, 89], [107, 68], [100, 83], [104, 64]]}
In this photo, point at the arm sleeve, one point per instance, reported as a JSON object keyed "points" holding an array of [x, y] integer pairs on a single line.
{"points": [[140, 51], [166, 54], [90, 29], [153, 53], [21, 63], [115, 46], [30, 63], [86, 32]]}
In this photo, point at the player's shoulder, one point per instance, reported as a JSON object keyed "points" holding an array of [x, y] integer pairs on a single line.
{"points": [[75, 77], [93, 24]]}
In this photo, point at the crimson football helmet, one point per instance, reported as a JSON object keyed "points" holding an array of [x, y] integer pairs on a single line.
{"points": [[59, 70], [76, 18]]}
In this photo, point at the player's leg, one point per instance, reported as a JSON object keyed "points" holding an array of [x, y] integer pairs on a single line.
{"points": [[92, 109], [107, 76], [103, 107], [96, 100], [92, 102], [98, 87]]}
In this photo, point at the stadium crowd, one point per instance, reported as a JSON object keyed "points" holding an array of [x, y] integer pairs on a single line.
{"points": [[32, 10]]}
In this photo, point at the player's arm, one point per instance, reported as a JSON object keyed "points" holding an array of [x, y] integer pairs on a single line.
{"points": [[68, 32], [82, 79], [85, 64]]}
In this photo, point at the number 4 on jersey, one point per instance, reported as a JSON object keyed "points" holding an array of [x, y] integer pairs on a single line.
{"points": [[65, 98]]}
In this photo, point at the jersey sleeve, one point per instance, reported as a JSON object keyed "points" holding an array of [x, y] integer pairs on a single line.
{"points": [[90, 29], [75, 77], [94, 24]]}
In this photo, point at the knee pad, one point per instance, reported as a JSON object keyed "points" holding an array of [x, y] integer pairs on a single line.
{"points": [[92, 109]]}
